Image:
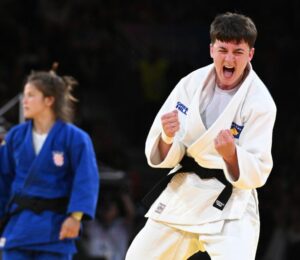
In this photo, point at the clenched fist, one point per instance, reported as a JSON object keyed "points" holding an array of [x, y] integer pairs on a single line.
{"points": [[225, 146], [170, 123]]}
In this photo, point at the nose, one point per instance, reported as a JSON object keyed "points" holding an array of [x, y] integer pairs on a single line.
{"points": [[229, 57], [24, 100]]}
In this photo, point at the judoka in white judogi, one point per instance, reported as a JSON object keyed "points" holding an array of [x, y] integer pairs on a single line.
{"points": [[187, 201], [183, 220]]}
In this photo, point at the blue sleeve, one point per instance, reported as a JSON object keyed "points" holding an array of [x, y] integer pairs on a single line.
{"points": [[6, 173], [85, 188]]}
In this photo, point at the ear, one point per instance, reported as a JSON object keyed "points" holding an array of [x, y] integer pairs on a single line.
{"points": [[211, 50], [251, 53], [49, 101]]}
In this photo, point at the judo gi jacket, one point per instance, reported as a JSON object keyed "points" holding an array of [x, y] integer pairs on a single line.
{"points": [[65, 167], [188, 200]]}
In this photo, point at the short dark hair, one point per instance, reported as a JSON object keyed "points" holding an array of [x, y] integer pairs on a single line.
{"points": [[236, 27]]}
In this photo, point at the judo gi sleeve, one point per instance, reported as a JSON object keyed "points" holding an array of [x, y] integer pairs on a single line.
{"points": [[6, 173], [254, 151], [85, 187]]}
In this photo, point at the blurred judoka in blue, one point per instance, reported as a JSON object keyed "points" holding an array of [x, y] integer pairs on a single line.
{"points": [[49, 178]]}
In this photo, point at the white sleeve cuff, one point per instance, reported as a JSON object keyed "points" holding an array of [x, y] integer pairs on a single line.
{"points": [[166, 139]]}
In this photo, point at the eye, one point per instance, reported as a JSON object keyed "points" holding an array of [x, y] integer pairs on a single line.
{"points": [[239, 52], [29, 95]]}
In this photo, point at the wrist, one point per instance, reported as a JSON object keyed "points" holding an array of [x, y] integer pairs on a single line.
{"points": [[77, 215], [231, 158], [166, 139]]}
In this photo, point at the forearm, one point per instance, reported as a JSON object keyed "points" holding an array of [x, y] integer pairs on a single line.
{"points": [[233, 166], [163, 149]]}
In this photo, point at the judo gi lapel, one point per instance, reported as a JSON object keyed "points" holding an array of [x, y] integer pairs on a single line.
{"points": [[40, 158], [204, 87], [28, 144], [203, 137]]}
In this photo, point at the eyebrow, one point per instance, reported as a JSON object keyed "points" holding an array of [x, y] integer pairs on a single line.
{"points": [[238, 49]]}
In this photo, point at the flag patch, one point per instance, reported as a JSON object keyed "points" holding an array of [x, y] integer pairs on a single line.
{"points": [[236, 130], [58, 158], [2, 241]]}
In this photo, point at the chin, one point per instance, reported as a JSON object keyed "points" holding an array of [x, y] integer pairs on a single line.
{"points": [[27, 116], [230, 83]]}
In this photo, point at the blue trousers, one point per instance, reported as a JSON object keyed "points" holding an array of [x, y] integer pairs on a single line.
{"points": [[19, 254]]}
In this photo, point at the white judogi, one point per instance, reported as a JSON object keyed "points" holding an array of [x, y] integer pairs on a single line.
{"points": [[186, 203]]}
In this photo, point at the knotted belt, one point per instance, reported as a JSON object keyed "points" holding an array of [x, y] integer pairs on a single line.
{"points": [[190, 165]]}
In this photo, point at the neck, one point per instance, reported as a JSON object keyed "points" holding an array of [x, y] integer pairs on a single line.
{"points": [[43, 125], [228, 87]]}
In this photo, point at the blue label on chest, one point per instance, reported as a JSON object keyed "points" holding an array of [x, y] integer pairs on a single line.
{"points": [[181, 107]]}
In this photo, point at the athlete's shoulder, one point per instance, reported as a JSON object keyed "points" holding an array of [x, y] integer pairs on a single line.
{"points": [[73, 128], [259, 94], [77, 134], [19, 129], [195, 79], [199, 73], [16, 134]]}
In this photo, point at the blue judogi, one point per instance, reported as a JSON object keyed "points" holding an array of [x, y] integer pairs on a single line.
{"points": [[65, 167]]}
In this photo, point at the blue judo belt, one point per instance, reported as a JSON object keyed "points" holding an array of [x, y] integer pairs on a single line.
{"points": [[191, 166]]}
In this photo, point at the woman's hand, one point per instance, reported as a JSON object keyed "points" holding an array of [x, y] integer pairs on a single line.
{"points": [[70, 228]]}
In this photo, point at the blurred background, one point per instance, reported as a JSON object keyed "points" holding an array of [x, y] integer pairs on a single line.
{"points": [[127, 56]]}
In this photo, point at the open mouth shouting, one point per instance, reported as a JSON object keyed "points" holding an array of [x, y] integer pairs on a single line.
{"points": [[228, 71]]}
